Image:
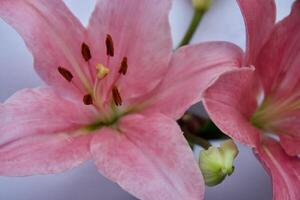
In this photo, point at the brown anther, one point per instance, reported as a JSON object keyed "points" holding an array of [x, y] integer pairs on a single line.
{"points": [[85, 51], [65, 73], [116, 96], [88, 99], [124, 66], [109, 45]]}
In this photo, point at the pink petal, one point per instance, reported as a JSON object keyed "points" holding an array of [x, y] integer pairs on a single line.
{"points": [[230, 102], [51, 33], [43, 154], [278, 62], [192, 69], [284, 169], [39, 111], [289, 132], [34, 128], [259, 17], [141, 32], [290, 143], [149, 158]]}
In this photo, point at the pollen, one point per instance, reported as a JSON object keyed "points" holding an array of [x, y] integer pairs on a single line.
{"points": [[116, 96], [88, 99], [109, 45], [85, 51], [124, 66], [65, 73], [102, 71]]}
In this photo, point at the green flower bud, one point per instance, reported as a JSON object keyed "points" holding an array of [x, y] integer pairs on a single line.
{"points": [[217, 162], [202, 5]]}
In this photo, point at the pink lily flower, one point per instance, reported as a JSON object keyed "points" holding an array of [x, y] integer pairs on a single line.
{"points": [[250, 105], [115, 91]]}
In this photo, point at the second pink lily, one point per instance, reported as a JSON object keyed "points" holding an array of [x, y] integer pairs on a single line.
{"points": [[263, 98], [115, 91]]}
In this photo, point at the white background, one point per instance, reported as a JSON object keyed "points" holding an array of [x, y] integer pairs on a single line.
{"points": [[222, 22]]}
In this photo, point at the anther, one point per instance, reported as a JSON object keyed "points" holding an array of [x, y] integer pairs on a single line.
{"points": [[85, 51], [88, 99], [109, 45], [124, 66], [65, 73], [116, 96]]}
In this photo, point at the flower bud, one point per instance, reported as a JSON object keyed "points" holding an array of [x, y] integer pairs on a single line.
{"points": [[202, 5], [217, 162]]}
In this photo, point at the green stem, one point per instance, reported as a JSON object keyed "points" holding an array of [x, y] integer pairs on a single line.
{"points": [[198, 14]]}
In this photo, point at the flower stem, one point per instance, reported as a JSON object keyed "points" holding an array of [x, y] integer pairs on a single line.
{"points": [[197, 16]]}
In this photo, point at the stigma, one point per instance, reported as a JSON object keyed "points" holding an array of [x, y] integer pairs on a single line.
{"points": [[102, 71]]}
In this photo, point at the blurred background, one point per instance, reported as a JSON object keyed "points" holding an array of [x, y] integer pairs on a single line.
{"points": [[222, 22]]}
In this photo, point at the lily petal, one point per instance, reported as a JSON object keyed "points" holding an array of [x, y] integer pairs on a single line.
{"points": [[290, 143], [284, 169], [230, 102], [278, 63], [288, 129], [43, 154], [34, 133], [259, 17], [140, 31], [149, 158], [51, 33], [191, 71]]}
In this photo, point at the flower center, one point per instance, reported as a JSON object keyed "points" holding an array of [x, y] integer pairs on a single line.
{"points": [[108, 105], [269, 113]]}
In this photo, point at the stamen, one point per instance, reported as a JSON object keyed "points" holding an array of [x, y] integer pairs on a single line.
{"points": [[102, 71], [88, 99], [109, 45], [116, 96], [85, 51], [65, 73], [124, 66], [86, 54]]}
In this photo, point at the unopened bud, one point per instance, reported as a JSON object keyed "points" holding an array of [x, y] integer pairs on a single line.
{"points": [[217, 162], [202, 5]]}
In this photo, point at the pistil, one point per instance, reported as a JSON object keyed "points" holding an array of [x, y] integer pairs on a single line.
{"points": [[102, 72]]}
